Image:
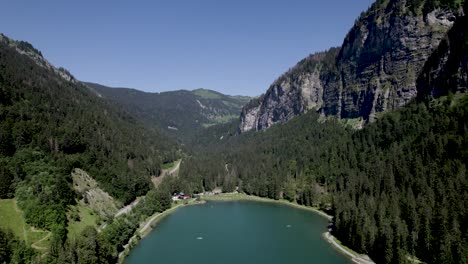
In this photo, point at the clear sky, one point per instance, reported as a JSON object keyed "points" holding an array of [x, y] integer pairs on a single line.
{"points": [[232, 46]]}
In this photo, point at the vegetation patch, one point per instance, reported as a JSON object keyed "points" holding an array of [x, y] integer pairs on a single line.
{"points": [[79, 217], [207, 94], [11, 218]]}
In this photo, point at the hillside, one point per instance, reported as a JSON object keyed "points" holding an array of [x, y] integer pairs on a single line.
{"points": [[375, 70], [180, 114], [50, 124], [396, 188], [73, 153]]}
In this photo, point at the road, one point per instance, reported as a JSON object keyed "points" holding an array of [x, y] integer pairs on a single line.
{"points": [[156, 181], [127, 208], [122, 211]]}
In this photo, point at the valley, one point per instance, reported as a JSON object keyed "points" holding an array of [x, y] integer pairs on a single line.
{"points": [[358, 153]]}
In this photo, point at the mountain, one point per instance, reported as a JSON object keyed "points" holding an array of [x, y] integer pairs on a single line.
{"points": [[47, 108], [396, 188], [375, 70], [178, 113], [51, 125]]}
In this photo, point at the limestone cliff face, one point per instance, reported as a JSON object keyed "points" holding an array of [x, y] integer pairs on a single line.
{"points": [[447, 68], [383, 55], [375, 70], [298, 90]]}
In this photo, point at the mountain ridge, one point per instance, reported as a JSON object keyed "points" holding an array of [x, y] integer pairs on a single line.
{"points": [[375, 70], [178, 113]]}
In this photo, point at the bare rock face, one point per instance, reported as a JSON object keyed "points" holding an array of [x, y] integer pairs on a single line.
{"points": [[375, 70], [297, 91], [382, 57], [93, 196], [446, 71]]}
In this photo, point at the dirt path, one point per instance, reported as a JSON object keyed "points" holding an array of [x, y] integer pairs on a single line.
{"points": [[169, 172], [355, 258], [39, 241], [176, 168]]}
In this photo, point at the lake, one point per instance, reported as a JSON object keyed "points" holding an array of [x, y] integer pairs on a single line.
{"points": [[237, 232]]}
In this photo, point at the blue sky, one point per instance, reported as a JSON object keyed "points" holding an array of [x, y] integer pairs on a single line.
{"points": [[235, 46]]}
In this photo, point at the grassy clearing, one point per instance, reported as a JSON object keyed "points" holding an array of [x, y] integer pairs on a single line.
{"points": [[168, 165], [79, 217], [207, 94], [11, 218]]}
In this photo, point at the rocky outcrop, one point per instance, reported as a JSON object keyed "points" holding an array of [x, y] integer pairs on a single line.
{"points": [[375, 70], [93, 196], [446, 71], [249, 115], [298, 90]]}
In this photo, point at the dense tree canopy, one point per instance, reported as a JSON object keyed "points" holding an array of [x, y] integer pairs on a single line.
{"points": [[396, 188]]}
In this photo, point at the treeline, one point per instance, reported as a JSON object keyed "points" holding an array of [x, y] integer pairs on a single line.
{"points": [[397, 188]]}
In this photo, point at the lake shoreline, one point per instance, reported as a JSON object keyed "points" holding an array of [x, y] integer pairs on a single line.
{"points": [[353, 256], [245, 197], [148, 225]]}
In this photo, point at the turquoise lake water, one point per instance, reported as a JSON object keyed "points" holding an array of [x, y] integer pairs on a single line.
{"points": [[237, 232]]}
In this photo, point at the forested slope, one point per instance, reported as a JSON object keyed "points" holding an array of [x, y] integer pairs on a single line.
{"points": [[396, 188], [49, 124], [178, 114]]}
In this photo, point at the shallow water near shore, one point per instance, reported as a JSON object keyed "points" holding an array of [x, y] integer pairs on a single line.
{"points": [[237, 232]]}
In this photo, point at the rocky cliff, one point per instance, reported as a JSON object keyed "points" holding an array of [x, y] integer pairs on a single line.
{"points": [[375, 70], [446, 71]]}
